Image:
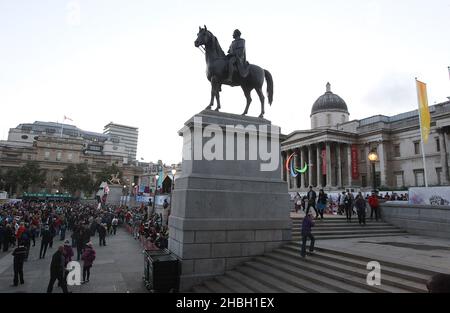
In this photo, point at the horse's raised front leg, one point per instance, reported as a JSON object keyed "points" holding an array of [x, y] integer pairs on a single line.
{"points": [[249, 99], [261, 98]]}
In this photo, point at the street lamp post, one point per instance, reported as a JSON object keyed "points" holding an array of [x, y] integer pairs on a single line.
{"points": [[373, 158]]}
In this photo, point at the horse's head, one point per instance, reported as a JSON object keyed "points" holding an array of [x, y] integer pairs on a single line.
{"points": [[203, 37]]}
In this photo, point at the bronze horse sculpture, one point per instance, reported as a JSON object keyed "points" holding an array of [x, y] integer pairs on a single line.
{"points": [[217, 73]]}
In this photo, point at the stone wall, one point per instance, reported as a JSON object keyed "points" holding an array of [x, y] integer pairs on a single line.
{"points": [[418, 219]]}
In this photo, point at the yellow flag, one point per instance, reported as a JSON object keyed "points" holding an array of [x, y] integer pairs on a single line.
{"points": [[423, 110]]}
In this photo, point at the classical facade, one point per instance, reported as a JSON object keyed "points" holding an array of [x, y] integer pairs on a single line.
{"points": [[336, 149], [54, 146]]}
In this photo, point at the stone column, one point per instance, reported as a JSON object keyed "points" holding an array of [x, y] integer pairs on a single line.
{"points": [[383, 164], [444, 160], [289, 178], [328, 156], [368, 165], [302, 152], [318, 167], [296, 162], [339, 165], [349, 164], [283, 168], [310, 173]]}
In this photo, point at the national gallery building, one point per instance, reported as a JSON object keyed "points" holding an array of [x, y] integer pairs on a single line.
{"points": [[336, 149]]}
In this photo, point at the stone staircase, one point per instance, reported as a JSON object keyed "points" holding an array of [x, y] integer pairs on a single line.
{"points": [[325, 271], [339, 228]]}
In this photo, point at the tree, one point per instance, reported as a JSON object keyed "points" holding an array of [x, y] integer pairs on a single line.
{"points": [[105, 174], [9, 180], [77, 178], [30, 175]]}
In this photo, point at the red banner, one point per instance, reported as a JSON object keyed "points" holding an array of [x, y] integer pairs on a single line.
{"points": [[324, 161], [355, 172]]}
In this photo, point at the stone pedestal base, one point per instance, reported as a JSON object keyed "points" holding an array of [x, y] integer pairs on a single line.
{"points": [[115, 192], [226, 211]]}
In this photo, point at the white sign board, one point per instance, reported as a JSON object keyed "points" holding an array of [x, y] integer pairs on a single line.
{"points": [[429, 196]]}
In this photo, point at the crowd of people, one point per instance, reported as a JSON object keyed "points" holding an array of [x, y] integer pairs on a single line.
{"points": [[346, 203], [151, 228], [23, 224]]}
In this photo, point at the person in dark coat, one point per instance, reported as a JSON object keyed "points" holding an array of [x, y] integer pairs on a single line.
{"points": [[88, 259], [311, 201], [360, 205], [2, 235], [25, 239], [79, 235], [46, 239], [19, 254], [7, 237], [102, 234], [57, 271], [53, 234], [307, 224]]}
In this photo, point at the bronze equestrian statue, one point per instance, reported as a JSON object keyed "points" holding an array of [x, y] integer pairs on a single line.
{"points": [[221, 69]]}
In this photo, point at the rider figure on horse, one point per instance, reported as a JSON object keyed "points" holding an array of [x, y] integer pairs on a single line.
{"points": [[236, 56]]}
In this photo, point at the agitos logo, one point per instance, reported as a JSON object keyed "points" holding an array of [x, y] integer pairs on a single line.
{"points": [[293, 170]]}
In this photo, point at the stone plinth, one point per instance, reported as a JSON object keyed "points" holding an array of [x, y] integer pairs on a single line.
{"points": [[227, 211], [115, 192]]}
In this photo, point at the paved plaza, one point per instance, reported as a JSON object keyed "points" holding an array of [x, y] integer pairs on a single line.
{"points": [[118, 268], [429, 253]]}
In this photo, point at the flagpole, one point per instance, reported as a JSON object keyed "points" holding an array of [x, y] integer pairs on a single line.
{"points": [[421, 136], [62, 127]]}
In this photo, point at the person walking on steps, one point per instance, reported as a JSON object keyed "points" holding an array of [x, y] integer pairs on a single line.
{"points": [[348, 206], [322, 200], [307, 225], [360, 204], [374, 206], [311, 202]]}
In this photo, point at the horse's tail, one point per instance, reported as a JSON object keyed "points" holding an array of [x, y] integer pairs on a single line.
{"points": [[269, 81]]}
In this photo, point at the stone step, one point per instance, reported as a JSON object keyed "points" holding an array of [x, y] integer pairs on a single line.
{"points": [[393, 271], [353, 231], [358, 271], [233, 284], [306, 285], [351, 279], [201, 289], [216, 287], [250, 282], [274, 283], [345, 225], [350, 229], [363, 235], [312, 282], [342, 224], [397, 265]]}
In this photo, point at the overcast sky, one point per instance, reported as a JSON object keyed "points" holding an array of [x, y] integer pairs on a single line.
{"points": [[134, 62]]}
